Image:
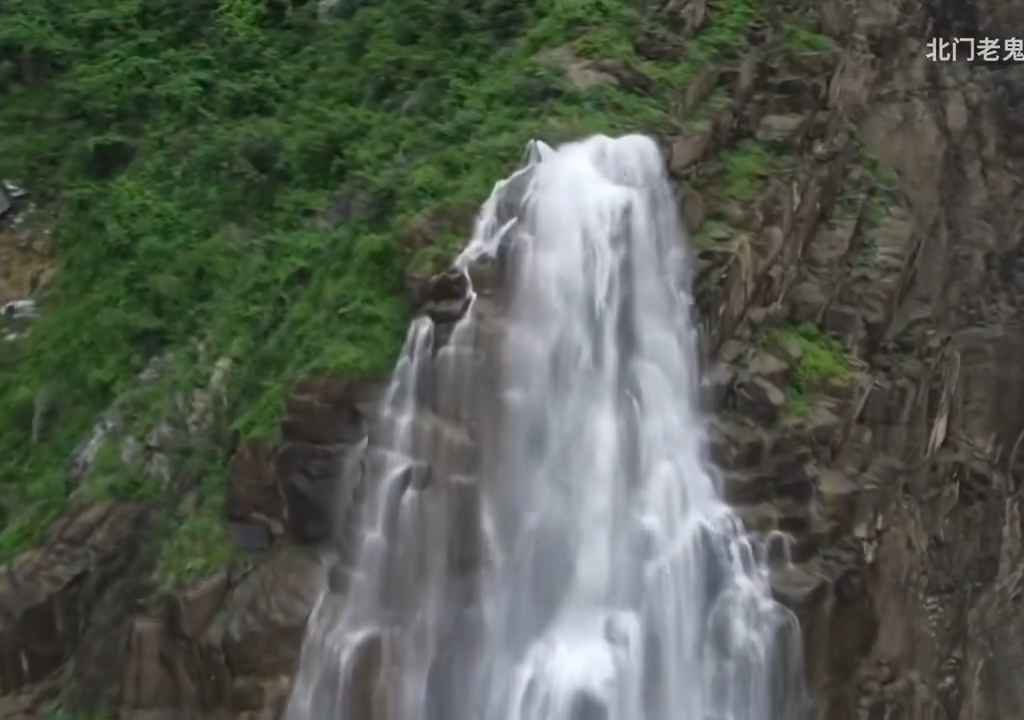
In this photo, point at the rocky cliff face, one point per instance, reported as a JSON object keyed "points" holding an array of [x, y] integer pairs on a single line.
{"points": [[894, 462]]}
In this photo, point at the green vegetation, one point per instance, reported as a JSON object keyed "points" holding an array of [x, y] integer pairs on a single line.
{"points": [[712, 233], [746, 166], [823, 360], [239, 174], [58, 713], [197, 548], [801, 40]]}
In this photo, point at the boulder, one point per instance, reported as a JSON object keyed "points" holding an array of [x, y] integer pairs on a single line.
{"points": [[46, 592], [688, 150]]}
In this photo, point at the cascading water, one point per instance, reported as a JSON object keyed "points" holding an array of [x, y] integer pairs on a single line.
{"points": [[542, 537]]}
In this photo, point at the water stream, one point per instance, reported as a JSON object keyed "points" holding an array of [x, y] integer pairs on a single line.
{"points": [[542, 538]]}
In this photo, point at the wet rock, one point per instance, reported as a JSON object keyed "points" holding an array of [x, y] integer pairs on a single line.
{"points": [[798, 588], [585, 706], [715, 384], [44, 593], [9, 193], [310, 477], [760, 399], [266, 615], [445, 297], [688, 150], [366, 681], [19, 310]]}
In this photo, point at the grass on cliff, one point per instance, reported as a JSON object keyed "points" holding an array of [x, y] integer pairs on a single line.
{"points": [[193, 152], [745, 168], [822, 360]]}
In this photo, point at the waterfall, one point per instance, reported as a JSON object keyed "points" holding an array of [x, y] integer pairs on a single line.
{"points": [[542, 537]]}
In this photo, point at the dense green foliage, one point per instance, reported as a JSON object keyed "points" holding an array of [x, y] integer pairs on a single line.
{"points": [[190, 151]]}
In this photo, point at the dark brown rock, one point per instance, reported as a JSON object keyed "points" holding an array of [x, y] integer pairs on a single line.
{"points": [[310, 479], [266, 615], [445, 297], [253, 491], [328, 411], [43, 593]]}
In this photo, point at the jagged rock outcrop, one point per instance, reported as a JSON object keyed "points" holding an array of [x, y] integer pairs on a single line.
{"points": [[906, 532], [47, 594]]}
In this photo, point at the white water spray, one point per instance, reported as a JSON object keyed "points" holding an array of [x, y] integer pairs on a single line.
{"points": [[543, 538]]}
